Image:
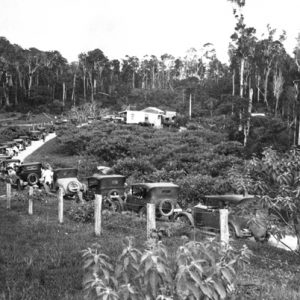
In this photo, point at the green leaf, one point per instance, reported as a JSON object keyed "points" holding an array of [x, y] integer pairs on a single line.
{"points": [[220, 289]]}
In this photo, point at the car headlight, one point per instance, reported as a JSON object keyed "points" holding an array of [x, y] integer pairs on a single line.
{"points": [[73, 187]]}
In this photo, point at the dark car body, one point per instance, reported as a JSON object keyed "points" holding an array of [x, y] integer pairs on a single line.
{"points": [[163, 194], [26, 139], [30, 172], [110, 186], [206, 215], [35, 135]]}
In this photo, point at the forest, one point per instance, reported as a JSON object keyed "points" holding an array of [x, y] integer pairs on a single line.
{"points": [[261, 77]]}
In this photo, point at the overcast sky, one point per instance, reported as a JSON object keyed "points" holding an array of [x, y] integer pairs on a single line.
{"points": [[138, 27]]}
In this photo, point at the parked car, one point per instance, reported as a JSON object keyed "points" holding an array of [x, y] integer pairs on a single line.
{"points": [[35, 135], [111, 187], [206, 216], [12, 148], [3, 150], [29, 173], [26, 139], [67, 179], [21, 144], [7, 150], [163, 194]]}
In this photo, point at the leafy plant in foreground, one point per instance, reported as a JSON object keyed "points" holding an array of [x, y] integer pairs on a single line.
{"points": [[199, 270]]}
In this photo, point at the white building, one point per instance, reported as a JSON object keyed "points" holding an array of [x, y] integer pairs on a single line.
{"points": [[141, 117], [149, 115]]}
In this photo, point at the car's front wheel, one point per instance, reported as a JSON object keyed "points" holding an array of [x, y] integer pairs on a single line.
{"points": [[143, 212]]}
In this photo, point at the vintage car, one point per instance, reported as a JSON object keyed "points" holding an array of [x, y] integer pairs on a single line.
{"points": [[21, 144], [11, 148], [111, 187], [163, 194], [67, 179], [206, 216], [35, 135], [7, 150], [29, 173], [8, 170], [26, 140], [3, 150]]}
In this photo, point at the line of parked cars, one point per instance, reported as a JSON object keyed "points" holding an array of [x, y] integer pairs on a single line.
{"points": [[118, 196]]}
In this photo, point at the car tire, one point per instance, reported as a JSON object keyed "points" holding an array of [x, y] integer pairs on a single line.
{"points": [[162, 208], [113, 194], [32, 179], [143, 212]]}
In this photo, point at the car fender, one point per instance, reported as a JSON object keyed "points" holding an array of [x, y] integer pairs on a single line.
{"points": [[236, 228]]}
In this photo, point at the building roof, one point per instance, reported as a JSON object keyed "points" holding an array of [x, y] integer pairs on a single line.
{"points": [[153, 110]]}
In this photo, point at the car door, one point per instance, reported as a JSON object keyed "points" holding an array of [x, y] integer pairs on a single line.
{"points": [[135, 198]]}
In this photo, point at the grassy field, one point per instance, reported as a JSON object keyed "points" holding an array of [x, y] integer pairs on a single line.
{"points": [[41, 259]]}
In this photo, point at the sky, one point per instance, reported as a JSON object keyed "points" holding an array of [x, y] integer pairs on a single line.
{"points": [[139, 27]]}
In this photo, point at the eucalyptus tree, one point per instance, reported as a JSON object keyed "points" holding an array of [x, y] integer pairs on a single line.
{"points": [[243, 47], [269, 51], [34, 60], [96, 63], [83, 67], [129, 71]]}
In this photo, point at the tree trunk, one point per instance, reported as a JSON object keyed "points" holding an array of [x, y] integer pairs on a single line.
{"points": [[258, 90], [64, 95], [73, 89], [84, 86], [242, 77], [233, 81], [247, 127], [266, 86]]}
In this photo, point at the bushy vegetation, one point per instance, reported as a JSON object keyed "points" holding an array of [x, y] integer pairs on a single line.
{"points": [[199, 270], [198, 159]]}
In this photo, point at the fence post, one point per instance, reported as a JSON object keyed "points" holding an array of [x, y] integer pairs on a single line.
{"points": [[97, 214], [60, 205], [30, 201], [150, 219], [8, 195], [224, 231]]}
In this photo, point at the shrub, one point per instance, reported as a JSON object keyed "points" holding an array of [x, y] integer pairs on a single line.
{"points": [[133, 167], [200, 270]]}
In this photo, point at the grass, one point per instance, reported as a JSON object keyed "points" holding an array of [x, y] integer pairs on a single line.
{"points": [[41, 259]]}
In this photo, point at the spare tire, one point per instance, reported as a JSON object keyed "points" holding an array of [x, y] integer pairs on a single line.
{"points": [[32, 178], [166, 207]]}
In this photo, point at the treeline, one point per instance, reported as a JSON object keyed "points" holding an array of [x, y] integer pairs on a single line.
{"points": [[260, 77]]}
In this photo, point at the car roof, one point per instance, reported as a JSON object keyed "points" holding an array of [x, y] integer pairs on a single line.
{"points": [[12, 160], [155, 184], [65, 169], [101, 176], [31, 163]]}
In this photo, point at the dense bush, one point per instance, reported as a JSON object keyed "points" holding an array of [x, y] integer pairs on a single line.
{"points": [[198, 270], [193, 188], [10, 133], [199, 158]]}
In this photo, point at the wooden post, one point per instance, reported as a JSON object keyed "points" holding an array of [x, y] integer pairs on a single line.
{"points": [[8, 195], [60, 205], [30, 201], [224, 236], [98, 209], [150, 219]]}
